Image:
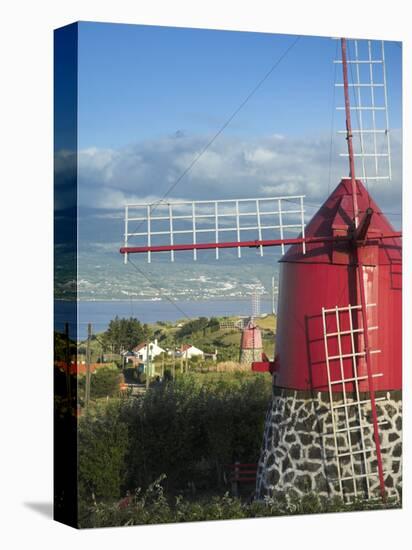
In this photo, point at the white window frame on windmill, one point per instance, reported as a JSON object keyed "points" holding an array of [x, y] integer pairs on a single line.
{"points": [[173, 220], [348, 425], [374, 157]]}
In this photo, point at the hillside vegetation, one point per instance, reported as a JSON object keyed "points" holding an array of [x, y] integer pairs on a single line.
{"points": [[204, 333], [207, 335]]}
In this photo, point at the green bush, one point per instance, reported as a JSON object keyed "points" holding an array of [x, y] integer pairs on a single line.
{"points": [[189, 428], [153, 507], [105, 381], [130, 374], [193, 326], [103, 441]]}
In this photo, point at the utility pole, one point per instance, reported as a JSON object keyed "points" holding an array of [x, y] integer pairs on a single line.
{"points": [[174, 360], [181, 361], [147, 363], [68, 363], [273, 295], [186, 361], [88, 361]]}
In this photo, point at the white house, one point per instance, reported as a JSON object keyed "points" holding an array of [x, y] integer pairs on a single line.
{"points": [[140, 351], [188, 351]]}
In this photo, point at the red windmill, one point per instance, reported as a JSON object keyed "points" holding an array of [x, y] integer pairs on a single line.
{"points": [[251, 346], [334, 424]]}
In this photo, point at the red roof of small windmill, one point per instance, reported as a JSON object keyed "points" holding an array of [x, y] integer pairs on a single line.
{"points": [[333, 218], [251, 337]]}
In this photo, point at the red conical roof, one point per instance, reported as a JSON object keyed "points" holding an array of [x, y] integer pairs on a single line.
{"points": [[334, 218], [251, 337]]}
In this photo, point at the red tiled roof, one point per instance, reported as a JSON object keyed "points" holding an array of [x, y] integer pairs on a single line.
{"points": [[139, 347], [185, 347], [78, 368]]}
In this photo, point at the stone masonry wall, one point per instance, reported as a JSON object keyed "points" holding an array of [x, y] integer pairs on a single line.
{"points": [[250, 355], [297, 457]]}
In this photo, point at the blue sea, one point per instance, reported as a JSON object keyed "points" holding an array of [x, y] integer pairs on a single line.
{"points": [[100, 313]]}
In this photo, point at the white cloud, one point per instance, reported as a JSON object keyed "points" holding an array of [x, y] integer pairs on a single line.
{"points": [[231, 167]]}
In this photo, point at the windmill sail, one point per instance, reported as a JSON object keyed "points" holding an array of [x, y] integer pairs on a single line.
{"points": [[343, 334], [215, 224], [369, 109]]}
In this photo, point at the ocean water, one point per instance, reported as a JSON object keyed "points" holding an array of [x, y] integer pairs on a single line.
{"points": [[100, 313]]}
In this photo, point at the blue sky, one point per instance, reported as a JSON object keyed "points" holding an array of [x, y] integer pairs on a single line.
{"points": [[141, 82], [150, 98]]}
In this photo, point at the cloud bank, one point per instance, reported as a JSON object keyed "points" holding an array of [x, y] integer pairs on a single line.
{"points": [[267, 166]]}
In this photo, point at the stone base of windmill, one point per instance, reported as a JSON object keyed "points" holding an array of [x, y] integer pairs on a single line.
{"points": [[250, 355], [297, 457]]}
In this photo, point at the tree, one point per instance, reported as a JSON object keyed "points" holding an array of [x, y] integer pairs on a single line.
{"points": [[214, 324], [102, 449], [191, 327], [125, 334], [105, 381], [62, 347]]}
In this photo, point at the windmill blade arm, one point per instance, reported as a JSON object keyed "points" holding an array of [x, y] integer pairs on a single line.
{"points": [[362, 229], [208, 246], [212, 224], [245, 244]]}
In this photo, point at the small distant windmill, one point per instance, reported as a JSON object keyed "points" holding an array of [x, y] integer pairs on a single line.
{"points": [[251, 347], [338, 360]]}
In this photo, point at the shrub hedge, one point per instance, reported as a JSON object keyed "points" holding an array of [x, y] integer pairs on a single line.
{"points": [[188, 429], [153, 507]]}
